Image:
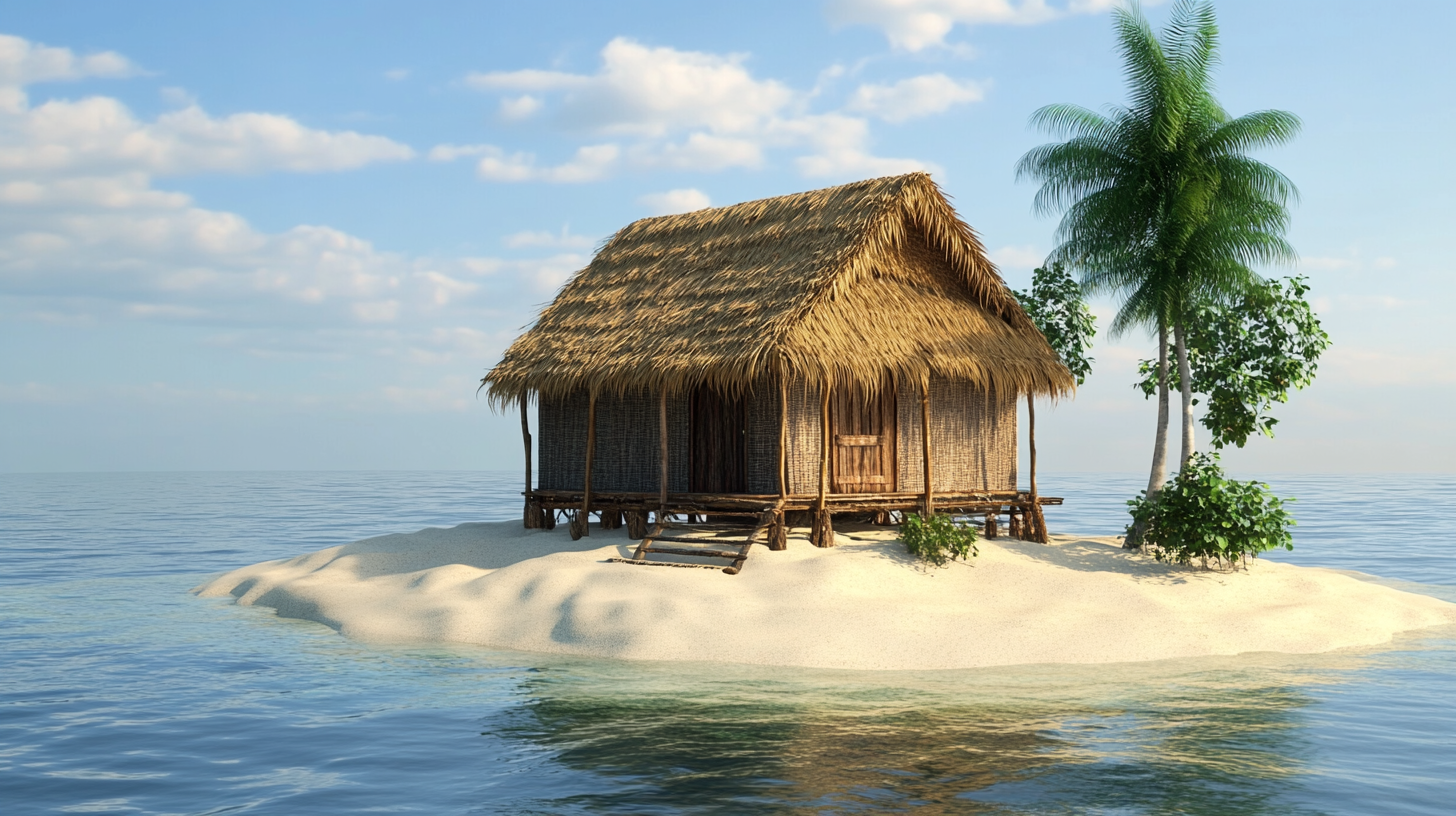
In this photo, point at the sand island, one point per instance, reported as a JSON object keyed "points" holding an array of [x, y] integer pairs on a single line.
{"points": [[803, 366], [863, 604]]}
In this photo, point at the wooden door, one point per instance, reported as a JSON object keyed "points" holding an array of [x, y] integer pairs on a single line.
{"points": [[863, 444], [718, 459]]}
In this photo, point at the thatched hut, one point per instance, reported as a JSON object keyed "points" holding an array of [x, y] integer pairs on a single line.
{"points": [[824, 352]]}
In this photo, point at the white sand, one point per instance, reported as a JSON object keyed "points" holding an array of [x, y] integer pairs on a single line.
{"points": [[864, 604]]}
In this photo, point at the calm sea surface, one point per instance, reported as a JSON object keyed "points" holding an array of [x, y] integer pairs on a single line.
{"points": [[122, 693]]}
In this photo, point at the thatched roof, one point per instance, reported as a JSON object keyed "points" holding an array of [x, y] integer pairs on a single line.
{"points": [[846, 284]]}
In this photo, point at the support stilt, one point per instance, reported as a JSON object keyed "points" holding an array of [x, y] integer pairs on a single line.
{"points": [[928, 505], [1038, 531], [636, 524], [821, 534], [531, 516], [580, 524]]}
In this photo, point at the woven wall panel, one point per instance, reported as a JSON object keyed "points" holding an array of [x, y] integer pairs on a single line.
{"points": [[909, 453], [973, 434], [763, 437], [626, 456], [804, 439], [561, 442], [972, 437]]}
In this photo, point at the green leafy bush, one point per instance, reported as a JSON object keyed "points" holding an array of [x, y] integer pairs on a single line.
{"points": [[1202, 514], [1056, 305], [939, 539], [1247, 356]]}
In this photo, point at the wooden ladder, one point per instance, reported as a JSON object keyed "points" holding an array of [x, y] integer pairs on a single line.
{"points": [[726, 536]]}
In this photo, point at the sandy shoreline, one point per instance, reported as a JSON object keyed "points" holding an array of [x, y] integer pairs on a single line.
{"points": [[864, 604]]}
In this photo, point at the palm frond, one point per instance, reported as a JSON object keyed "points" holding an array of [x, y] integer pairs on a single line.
{"points": [[1162, 207]]}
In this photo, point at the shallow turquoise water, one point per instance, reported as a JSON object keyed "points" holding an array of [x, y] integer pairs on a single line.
{"points": [[121, 693]]}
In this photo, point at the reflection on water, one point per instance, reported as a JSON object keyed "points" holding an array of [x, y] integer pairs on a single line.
{"points": [[1200, 737]]}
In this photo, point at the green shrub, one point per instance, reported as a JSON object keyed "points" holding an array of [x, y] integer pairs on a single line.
{"points": [[939, 539], [1201, 514]]}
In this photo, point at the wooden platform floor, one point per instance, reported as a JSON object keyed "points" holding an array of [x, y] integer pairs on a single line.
{"points": [[753, 504]]}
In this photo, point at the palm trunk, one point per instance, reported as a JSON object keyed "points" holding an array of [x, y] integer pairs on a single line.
{"points": [[1185, 388], [1159, 473], [1160, 445]]}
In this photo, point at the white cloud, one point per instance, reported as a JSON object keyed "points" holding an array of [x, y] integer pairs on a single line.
{"points": [[915, 97], [591, 163], [397, 74], [653, 91], [675, 201], [690, 110], [178, 97], [1025, 256], [163, 259], [85, 237], [100, 134], [542, 276], [1352, 261], [525, 80], [840, 145], [914, 25], [24, 63], [120, 191], [451, 152], [703, 152], [543, 238], [518, 108]]}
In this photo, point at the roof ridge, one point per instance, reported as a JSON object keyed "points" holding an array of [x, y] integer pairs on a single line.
{"points": [[822, 287]]}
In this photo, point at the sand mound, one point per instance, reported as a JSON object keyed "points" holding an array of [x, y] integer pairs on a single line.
{"points": [[864, 604]]}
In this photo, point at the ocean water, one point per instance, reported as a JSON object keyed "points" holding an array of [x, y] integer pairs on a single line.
{"points": [[122, 693]]}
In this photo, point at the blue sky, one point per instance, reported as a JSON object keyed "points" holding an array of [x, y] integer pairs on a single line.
{"points": [[282, 235]]}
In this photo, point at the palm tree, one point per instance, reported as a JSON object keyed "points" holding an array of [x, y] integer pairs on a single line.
{"points": [[1163, 208]]}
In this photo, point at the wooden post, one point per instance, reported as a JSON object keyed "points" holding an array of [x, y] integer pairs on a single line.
{"points": [[778, 538], [1037, 520], [581, 527], [636, 524], [611, 518], [529, 515], [783, 435], [662, 456], [822, 533], [823, 444], [929, 500]]}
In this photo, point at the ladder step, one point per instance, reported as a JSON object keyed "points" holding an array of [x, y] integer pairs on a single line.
{"points": [[667, 564], [700, 540], [701, 553]]}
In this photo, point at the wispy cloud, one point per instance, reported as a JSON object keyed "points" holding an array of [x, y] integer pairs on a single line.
{"points": [[675, 201], [915, 97], [915, 25], [1025, 256], [657, 107], [543, 238]]}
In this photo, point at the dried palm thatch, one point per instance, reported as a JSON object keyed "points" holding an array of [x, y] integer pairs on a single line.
{"points": [[861, 284]]}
